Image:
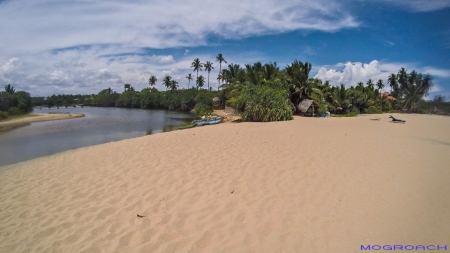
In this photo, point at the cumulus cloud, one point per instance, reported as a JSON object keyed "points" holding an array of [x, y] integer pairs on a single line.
{"points": [[351, 73], [10, 71], [166, 59], [12, 65]]}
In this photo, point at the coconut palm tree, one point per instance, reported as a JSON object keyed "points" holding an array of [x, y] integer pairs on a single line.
{"points": [[402, 78], [208, 67], [197, 65], [167, 81], [189, 78], [152, 80], [380, 84], [220, 59], [270, 71], [416, 87], [222, 76], [9, 88], [231, 74], [298, 73], [200, 81], [370, 84], [253, 73], [393, 83], [360, 84], [173, 84]]}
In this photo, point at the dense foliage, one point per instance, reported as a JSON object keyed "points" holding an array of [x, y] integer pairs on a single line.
{"points": [[263, 103], [14, 102], [264, 92]]}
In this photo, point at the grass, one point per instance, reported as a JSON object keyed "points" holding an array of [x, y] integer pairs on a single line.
{"points": [[344, 115]]}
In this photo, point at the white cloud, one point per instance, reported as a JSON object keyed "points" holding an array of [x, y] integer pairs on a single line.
{"points": [[166, 59], [351, 73], [42, 25], [86, 46], [420, 5], [12, 65]]}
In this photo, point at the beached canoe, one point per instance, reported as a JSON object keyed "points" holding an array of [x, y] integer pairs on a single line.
{"points": [[203, 122]]}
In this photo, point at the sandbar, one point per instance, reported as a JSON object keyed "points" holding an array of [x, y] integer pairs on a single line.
{"points": [[37, 117]]}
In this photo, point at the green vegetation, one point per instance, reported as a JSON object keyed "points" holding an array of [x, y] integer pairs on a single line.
{"points": [[263, 103], [14, 102], [203, 103], [260, 92]]}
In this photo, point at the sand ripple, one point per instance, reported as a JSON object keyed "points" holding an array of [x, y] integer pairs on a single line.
{"points": [[309, 185]]}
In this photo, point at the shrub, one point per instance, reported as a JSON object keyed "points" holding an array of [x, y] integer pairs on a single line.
{"points": [[3, 115], [231, 102], [14, 111], [263, 104], [352, 110], [203, 103], [373, 110]]}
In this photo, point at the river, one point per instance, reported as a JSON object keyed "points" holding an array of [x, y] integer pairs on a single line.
{"points": [[100, 125]]}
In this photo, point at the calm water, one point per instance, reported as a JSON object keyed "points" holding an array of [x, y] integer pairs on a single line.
{"points": [[100, 125]]}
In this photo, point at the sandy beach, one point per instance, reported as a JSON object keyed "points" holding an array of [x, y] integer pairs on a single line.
{"points": [[37, 117], [306, 185]]}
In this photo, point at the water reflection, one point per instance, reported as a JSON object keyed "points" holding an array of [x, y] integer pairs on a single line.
{"points": [[100, 125]]}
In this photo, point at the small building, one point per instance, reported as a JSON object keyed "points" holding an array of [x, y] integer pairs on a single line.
{"points": [[388, 96], [127, 86], [306, 104]]}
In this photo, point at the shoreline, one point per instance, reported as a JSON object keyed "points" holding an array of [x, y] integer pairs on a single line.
{"points": [[36, 117], [306, 185]]}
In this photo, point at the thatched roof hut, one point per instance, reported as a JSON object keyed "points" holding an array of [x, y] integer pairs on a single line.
{"points": [[304, 105]]}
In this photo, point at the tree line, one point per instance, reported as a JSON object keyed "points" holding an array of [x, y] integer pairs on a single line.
{"points": [[14, 102], [265, 92]]}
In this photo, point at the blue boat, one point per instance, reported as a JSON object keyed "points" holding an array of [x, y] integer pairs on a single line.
{"points": [[203, 122]]}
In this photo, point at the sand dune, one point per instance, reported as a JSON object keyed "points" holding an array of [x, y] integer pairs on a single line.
{"points": [[307, 185]]}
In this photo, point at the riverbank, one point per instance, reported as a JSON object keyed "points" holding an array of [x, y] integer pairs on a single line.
{"points": [[9, 124], [306, 185]]}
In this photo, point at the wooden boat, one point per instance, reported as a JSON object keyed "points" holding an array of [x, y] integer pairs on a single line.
{"points": [[203, 122]]}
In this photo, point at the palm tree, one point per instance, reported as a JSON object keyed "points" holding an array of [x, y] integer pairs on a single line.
{"points": [[189, 78], [167, 81], [208, 67], [402, 78], [200, 81], [360, 84], [152, 80], [232, 74], [9, 88], [298, 73], [254, 73], [173, 84], [197, 65], [270, 71], [415, 88], [392, 80], [220, 59], [370, 84], [380, 84], [222, 76]]}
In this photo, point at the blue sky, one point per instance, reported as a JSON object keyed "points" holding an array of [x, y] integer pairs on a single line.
{"points": [[81, 47]]}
